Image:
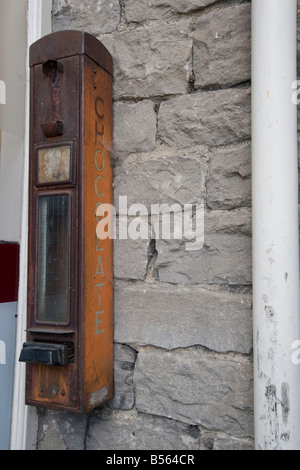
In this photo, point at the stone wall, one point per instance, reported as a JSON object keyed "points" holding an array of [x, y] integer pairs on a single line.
{"points": [[183, 326]]}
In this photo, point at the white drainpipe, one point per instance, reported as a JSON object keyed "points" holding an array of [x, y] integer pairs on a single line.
{"points": [[275, 226]]}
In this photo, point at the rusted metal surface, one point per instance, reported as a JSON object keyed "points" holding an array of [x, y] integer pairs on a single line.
{"points": [[56, 100], [71, 43], [98, 254], [71, 83]]}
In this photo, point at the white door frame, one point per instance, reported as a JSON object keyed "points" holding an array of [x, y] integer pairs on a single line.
{"points": [[24, 418]]}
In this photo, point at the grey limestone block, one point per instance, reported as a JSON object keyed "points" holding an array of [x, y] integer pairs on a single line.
{"points": [[212, 118], [225, 257], [222, 46], [131, 257], [94, 17], [170, 317], [228, 182], [129, 430], [224, 442], [62, 431], [196, 387], [134, 127], [143, 10], [177, 179], [153, 60]]}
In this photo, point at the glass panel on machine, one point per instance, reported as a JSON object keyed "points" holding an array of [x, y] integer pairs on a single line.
{"points": [[53, 259], [54, 164]]}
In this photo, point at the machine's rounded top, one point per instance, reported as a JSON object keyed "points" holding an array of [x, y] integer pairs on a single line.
{"points": [[69, 43]]}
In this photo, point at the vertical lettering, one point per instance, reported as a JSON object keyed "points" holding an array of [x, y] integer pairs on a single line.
{"points": [[99, 268], [99, 293], [99, 132], [99, 177], [97, 153], [98, 248], [99, 104], [99, 100], [98, 322], [99, 164]]}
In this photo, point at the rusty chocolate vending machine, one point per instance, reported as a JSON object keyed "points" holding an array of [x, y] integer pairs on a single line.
{"points": [[69, 347]]}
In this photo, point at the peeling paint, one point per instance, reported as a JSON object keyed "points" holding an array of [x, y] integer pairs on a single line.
{"points": [[271, 396], [276, 433], [285, 437], [265, 298], [285, 402], [269, 312], [272, 413]]}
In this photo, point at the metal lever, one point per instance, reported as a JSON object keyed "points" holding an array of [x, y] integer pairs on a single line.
{"points": [[52, 128], [44, 353], [54, 71]]}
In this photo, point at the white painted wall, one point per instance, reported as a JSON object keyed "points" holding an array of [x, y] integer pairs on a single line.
{"points": [[7, 358], [24, 418], [22, 22], [13, 41], [11, 181]]}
